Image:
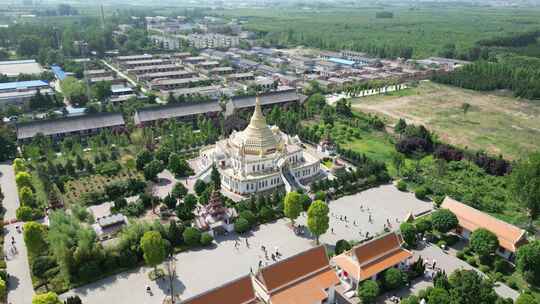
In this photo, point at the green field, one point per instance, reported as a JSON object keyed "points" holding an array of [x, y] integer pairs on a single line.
{"points": [[426, 29], [496, 123]]}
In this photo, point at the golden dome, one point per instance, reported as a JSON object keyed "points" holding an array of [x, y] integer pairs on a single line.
{"points": [[258, 137]]}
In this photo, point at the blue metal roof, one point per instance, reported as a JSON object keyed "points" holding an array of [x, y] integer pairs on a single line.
{"points": [[58, 72], [22, 85], [341, 61]]}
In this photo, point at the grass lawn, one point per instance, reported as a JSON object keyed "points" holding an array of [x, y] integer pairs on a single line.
{"points": [[375, 145], [496, 122]]}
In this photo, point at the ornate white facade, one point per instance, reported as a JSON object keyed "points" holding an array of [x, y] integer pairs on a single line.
{"points": [[261, 157]]}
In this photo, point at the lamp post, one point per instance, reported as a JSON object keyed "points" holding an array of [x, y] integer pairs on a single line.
{"points": [[171, 269]]}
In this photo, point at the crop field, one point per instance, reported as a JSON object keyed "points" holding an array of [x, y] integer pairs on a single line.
{"points": [[496, 122]]}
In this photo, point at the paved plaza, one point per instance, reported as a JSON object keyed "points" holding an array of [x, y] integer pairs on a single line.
{"points": [[203, 269], [383, 203]]}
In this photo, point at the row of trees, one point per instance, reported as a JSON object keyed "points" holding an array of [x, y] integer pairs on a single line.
{"points": [[524, 81]]}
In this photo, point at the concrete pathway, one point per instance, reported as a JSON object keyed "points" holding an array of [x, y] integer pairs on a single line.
{"points": [[9, 189], [451, 263], [20, 290]]}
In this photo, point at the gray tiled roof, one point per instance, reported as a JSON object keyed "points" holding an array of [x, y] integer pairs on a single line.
{"points": [[175, 110], [69, 124], [268, 99]]}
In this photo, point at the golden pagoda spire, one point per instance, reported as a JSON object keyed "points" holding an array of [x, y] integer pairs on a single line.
{"points": [[257, 119]]}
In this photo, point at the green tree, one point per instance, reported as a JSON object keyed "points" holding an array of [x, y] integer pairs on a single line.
{"points": [[199, 187], [241, 225], [101, 90], [175, 233], [469, 287], [400, 126], [368, 291], [179, 191], [27, 197], [484, 243], [152, 169], [46, 298], [154, 248], [439, 296], [19, 165], [465, 107], [393, 278], [342, 246], [408, 231], [528, 262], [3, 289], [398, 160], [74, 90], [526, 298], [35, 237], [144, 157], [292, 206], [178, 165], [318, 219], [443, 220], [216, 178], [192, 236], [525, 185], [23, 179]]}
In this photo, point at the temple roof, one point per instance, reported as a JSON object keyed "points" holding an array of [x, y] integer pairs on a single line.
{"points": [[257, 138]]}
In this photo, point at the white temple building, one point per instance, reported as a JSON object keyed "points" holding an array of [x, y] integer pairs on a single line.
{"points": [[261, 158]]}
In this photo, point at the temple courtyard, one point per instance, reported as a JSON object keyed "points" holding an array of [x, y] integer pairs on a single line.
{"points": [[204, 269]]}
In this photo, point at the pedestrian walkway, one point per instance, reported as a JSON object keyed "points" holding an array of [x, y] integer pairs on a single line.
{"points": [[20, 289]]}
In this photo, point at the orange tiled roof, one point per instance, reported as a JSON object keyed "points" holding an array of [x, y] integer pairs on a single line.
{"points": [[375, 248], [239, 291], [293, 268], [373, 257], [509, 236], [348, 264], [381, 264], [311, 290]]}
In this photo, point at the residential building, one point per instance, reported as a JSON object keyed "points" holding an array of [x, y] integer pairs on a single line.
{"points": [[108, 226], [305, 278], [240, 76], [176, 74], [213, 92], [282, 98], [59, 128], [510, 237], [140, 63], [155, 69], [212, 41], [367, 260]]}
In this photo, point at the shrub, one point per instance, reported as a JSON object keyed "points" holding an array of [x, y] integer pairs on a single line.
{"points": [[471, 261], [368, 292], [526, 298], [192, 236], [393, 278], [206, 239], [408, 231], [249, 216], [423, 225], [421, 193], [484, 243], [444, 220], [502, 266], [484, 268], [266, 214], [442, 244], [241, 225], [3, 289], [108, 168], [401, 185], [342, 246], [25, 213], [460, 255], [528, 262]]}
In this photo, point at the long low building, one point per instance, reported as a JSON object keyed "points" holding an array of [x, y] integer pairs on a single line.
{"points": [[68, 126], [17, 93], [154, 69], [510, 237], [282, 98], [171, 84], [134, 57], [170, 75], [140, 63], [181, 111], [210, 91]]}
